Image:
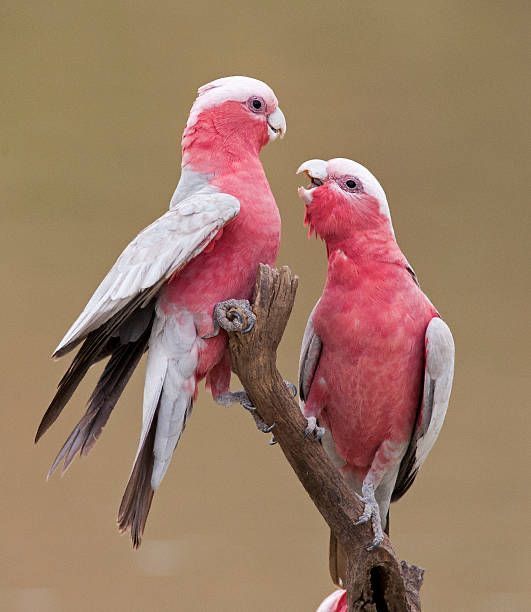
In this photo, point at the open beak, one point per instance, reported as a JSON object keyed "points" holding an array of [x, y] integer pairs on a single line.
{"points": [[276, 124], [316, 171]]}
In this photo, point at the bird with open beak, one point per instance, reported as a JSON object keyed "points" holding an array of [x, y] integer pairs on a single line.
{"points": [[377, 361], [160, 294]]}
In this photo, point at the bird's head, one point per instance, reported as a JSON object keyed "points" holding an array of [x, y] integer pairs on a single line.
{"points": [[343, 198], [237, 110]]}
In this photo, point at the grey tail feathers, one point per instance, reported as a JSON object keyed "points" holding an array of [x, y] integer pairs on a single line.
{"points": [[110, 386], [136, 501]]}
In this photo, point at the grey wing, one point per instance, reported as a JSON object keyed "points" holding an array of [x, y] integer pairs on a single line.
{"points": [[438, 377], [120, 313], [159, 251], [311, 349], [309, 358]]}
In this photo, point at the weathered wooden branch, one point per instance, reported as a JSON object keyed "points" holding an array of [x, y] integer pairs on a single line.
{"points": [[376, 580]]}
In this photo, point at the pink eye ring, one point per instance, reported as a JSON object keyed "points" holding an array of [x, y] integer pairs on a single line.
{"points": [[256, 104]]}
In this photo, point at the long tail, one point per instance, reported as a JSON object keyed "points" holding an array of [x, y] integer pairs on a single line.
{"points": [[136, 501], [168, 394]]}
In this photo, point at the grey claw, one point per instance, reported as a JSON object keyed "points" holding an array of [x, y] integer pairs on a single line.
{"points": [[246, 403], [273, 441], [291, 388], [313, 430], [269, 428], [262, 425]]}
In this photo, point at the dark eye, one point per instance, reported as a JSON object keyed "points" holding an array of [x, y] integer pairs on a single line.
{"points": [[349, 184], [256, 104]]}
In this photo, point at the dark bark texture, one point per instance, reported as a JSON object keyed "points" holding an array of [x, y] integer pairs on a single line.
{"points": [[376, 580]]}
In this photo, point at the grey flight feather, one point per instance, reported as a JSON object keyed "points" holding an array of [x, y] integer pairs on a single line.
{"points": [[309, 359], [107, 392], [98, 345], [438, 377]]}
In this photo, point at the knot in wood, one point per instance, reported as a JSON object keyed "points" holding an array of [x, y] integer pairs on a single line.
{"points": [[235, 316]]}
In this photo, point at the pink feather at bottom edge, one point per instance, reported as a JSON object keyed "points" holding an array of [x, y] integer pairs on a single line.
{"points": [[335, 602]]}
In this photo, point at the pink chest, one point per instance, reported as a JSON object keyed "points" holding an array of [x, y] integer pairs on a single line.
{"points": [[372, 320], [227, 268]]}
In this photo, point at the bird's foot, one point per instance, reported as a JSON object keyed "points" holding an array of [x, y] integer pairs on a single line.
{"points": [[313, 430], [234, 315], [241, 397], [371, 511]]}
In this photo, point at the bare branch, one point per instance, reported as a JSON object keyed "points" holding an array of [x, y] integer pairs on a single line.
{"points": [[376, 580]]}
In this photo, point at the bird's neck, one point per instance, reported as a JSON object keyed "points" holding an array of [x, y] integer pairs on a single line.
{"points": [[367, 245], [211, 147], [213, 162]]}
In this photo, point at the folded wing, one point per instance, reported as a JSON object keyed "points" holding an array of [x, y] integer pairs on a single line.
{"points": [[309, 358], [157, 253], [121, 311], [438, 377]]}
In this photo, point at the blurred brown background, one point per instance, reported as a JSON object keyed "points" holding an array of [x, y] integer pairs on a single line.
{"points": [[431, 96]]}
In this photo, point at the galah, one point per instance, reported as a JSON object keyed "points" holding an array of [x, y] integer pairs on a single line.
{"points": [[377, 361], [160, 294]]}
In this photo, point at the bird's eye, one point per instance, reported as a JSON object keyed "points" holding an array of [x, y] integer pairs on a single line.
{"points": [[350, 184], [256, 104]]}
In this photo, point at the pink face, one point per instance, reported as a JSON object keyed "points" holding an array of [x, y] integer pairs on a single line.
{"points": [[238, 109], [342, 198], [246, 120]]}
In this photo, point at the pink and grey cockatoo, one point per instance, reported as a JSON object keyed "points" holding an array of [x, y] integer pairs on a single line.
{"points": [[377, 360], [160, 294]]}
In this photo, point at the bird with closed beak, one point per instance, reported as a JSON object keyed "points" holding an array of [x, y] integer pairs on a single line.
{"points": [[160, 294]]}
